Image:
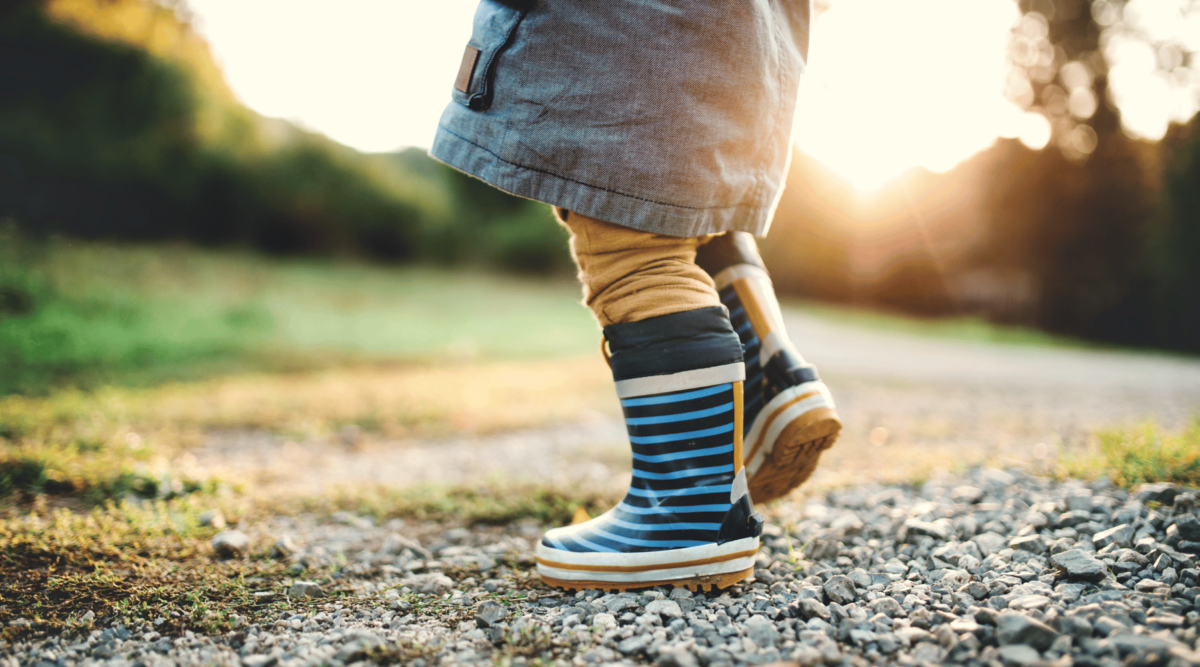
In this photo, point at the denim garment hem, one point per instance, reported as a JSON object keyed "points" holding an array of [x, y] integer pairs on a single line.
{"points": [[625, 209]]}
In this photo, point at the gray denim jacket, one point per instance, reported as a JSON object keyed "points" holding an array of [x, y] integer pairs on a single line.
{"points": [[669, 116]]}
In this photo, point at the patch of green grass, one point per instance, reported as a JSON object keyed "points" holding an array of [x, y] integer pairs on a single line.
{"points": [[124, 563], [1140, 454], [796, 557], [90, 314], [967, 328], [29, 477], [139, 563]]}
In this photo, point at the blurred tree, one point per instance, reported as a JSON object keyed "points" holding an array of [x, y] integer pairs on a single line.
{"points": [[1096, 236], [1175, 245], [115, 122], [1083, 223], [1060, 56]]}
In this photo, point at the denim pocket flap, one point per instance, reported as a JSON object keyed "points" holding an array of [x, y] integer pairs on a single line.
{"points": [[494, 30]]}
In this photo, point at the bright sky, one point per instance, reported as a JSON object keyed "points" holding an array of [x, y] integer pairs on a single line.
{"points": [[891, 85]]}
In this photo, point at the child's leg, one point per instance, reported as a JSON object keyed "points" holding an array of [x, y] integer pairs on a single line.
{"points": [[630, 275], [790, 416], [687, 518]]}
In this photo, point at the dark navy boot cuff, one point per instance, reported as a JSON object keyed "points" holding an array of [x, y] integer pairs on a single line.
{"points": [[673, 343]]}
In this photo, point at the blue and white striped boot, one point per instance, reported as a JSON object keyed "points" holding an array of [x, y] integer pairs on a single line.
{"points": [[790, 417], [687, 519]]}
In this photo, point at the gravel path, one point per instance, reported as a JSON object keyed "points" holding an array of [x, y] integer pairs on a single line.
{"points": [[990, 568]]}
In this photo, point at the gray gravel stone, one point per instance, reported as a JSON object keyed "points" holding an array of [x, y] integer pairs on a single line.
{"points": [[1028, 602], [1075, 626], [489, 613], [1121, 536], [847, 523], [1163, 493], [231, 544], [260, 660], [966, 494], [811, 608], [762, 631], [284, 547], [1031, 543], [939, 529], [1078, 565], [1105, 626], [1014, 628], [676, 658], [680, 594], [1188, 527], [860, 578], [886, 606], [213, 518], [840, 589], [619, 603], [1127, 643], [1018, 655], [1073, 518], [635, 644], [989, 542], [665, 608], [359, 646], [305, 589], [432, 583]]}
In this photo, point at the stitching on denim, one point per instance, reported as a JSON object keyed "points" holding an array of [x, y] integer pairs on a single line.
{"points": [[589, 185]]}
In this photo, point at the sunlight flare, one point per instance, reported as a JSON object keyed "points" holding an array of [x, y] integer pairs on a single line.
{"points": [[892, 86]]}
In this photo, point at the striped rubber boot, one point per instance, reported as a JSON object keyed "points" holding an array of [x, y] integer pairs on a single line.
{"points": [[790, 415], [687, 519]]}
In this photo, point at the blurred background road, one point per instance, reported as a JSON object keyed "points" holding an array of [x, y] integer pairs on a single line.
{"points": [[855, 348]]}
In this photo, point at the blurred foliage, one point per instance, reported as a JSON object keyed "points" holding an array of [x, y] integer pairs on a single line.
{"points": [[1059, 70], [1102, 249], [1060, 66], [115, 124], [1095, 236], [1174, 246]]}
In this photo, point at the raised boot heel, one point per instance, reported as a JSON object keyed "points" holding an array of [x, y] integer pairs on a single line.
{"points": [[790, 417]]}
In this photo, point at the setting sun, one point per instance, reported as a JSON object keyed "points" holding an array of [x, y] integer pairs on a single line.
{"points": [[892, 86]]}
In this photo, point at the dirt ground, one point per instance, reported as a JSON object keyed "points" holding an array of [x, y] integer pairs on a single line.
{"points": [[911, 405]]}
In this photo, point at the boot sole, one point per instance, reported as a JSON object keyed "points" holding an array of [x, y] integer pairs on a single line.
{"points": [[703, 584], [787, 439], [709, 567]]}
